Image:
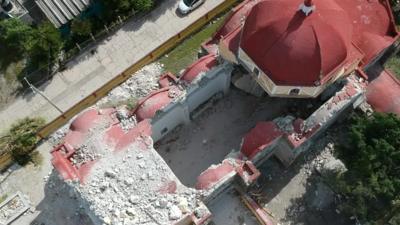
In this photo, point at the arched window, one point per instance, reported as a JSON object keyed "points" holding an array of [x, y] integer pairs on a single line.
{"points": [[294, 91], [256, 71]]}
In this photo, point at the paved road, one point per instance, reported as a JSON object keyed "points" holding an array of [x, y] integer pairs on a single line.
{"points": [[90, 71]]}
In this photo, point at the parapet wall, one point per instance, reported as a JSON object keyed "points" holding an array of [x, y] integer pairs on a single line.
{"points": [[212, 83]]}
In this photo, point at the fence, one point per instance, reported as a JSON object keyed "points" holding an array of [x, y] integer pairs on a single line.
{"points": [[120, 78]]}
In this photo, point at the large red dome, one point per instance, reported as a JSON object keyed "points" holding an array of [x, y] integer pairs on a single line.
{"points": [[295, 49]]}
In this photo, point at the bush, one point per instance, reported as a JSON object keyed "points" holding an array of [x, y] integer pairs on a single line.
{"points": [[22, 138], [142, 5], [81, 27], [372, 156], [16, 39]]}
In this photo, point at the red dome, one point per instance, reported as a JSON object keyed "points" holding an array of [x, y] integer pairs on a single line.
{"points": [[295, 49]]}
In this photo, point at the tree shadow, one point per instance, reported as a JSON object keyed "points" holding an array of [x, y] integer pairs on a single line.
{"points": [[317, 206], [161, 8]]}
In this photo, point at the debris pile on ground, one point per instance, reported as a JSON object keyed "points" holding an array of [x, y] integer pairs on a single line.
{"points": [[135, 186]]}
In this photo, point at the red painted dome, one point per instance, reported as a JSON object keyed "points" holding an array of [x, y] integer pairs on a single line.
{"points": [[295, 49], [153, 103]]}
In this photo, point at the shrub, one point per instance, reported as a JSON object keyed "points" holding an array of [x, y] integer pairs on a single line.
{"points": [[142, 5], [23, 138], [81, 27]]}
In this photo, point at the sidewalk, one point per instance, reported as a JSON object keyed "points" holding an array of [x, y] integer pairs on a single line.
{"points": [[88, 72]]}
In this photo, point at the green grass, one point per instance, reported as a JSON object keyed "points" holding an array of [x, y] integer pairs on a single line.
{"points": [[185, 53], [393, 64], [130, 103], [3, 198]]}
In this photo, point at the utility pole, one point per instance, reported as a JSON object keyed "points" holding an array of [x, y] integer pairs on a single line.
{"points": [[35, 90]]}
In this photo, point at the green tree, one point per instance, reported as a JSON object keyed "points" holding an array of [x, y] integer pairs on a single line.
{"points": [[46, 44], [122, 7], [81, 27], [142, 5], [372, 156], [15, 39], [22, 138]]}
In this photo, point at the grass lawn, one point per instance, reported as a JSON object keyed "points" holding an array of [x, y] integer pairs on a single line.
{"points": [[185, 53], [393, 64]]}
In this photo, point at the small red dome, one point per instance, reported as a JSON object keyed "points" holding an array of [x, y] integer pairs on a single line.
{"points": [[295, 49], [153, 103]]}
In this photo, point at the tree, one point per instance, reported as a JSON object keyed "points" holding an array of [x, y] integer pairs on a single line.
{"points": [[81, 27], [22, 138], [46, 44], [372, 156], [123, 7], [16, 40], [142, 5]]}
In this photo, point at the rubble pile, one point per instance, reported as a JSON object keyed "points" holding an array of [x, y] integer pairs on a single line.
{"points": [[93, 147], [127, 121], [138, 86], [56, 137], [127, 188], [177, 93]]}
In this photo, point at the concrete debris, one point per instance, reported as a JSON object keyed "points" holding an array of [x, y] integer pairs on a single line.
{"points": [[144, 81], [93, 147], [174, 213], [55, 138], [366, 108], [325, 156], [177, 92], [285, 123], [122, 191], [127, 121], [332, 168], [138, 86]]}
